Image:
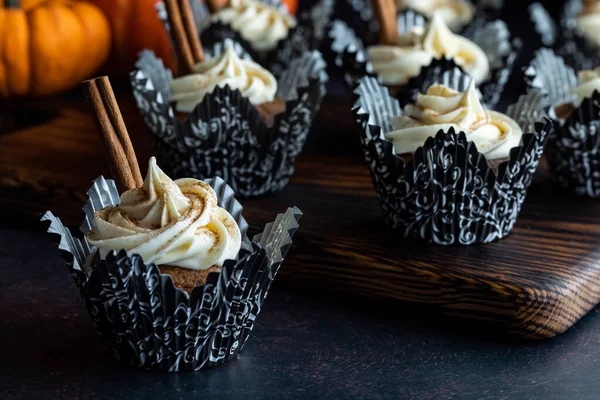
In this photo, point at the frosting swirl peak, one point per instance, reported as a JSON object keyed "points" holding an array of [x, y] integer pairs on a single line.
{"points": [[260, 24], [176, 223], [441, 108], [396, 64], [252, 80]]}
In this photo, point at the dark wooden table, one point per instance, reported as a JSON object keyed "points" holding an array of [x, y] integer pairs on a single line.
{"points": [[305, 345]]}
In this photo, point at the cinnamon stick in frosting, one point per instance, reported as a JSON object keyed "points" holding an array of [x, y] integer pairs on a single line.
{"points": [[117, 144], [387, 17], [185, 35]]}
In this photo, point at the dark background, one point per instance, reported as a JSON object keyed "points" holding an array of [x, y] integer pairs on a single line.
{"points": [[305, 344]]}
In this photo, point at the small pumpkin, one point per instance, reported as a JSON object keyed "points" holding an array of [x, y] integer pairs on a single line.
{"points": [[135, 27], [48, 46], [292, 5]]}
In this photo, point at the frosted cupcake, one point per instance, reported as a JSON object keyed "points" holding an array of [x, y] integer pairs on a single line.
{"points": [[167, 272], [455, 13], [254, 82], [395, 65], [574, 100], [447, 169]]}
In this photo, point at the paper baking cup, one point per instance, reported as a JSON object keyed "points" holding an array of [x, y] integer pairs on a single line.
{"points": [[305, 37], [493, 37], [145, 321], [224, 135], [573, 148], [447, 194]]}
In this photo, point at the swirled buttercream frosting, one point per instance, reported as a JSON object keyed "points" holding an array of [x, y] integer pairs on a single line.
{"points": [[441, 108], [260, 24], [252, 80], [588, 21], [168, 222], [456, 13], [397, 64], [589, 81]]}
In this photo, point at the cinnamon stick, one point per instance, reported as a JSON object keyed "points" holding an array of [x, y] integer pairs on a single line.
{"points": [[185, 35], [387, 17], [117, 144]]}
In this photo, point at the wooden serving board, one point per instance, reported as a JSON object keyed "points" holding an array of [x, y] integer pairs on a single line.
{"points": [[536, 283]]}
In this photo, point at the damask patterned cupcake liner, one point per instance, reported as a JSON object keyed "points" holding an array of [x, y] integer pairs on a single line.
{"points": [[144, 321], [224, 135], [577, 50], [573, 149], [363, 19], [349, 53], [447, 193]]}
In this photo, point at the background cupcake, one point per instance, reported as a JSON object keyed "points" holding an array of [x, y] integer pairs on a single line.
{"points": [[446, 192], [486, 51], [225, 134], [573, 100]]}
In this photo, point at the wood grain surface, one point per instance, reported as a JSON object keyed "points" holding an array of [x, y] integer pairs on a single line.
{"points": [[536, 283]]}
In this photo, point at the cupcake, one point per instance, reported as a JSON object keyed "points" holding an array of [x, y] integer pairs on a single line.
{"points": [[488, 53], [441, 108], [230, 118], [456, 14], [268, 31], [254, 82], [574, 103], [395, 65], [446, 169]]}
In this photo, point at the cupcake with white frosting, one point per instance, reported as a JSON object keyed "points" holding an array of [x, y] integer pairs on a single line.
{"points": [[254, 82], [487, 53], [175, 224], [442, 108], [167, 272], [574, 102], [230, 117], [446, 168], [455, 13], [395, 65]]}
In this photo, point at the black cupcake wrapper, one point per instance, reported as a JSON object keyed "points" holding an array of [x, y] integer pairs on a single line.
{"points": [[447, 194], [146, 322], [224, 135], [493, 37], [305, 37], [574, 149]]}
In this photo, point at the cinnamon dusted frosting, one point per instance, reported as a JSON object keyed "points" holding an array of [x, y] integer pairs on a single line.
{"points": [[260, 24], [252, 80], [588, 21], [589, 81], [397, 64], [440, 108], [167, 222], [455, 13]]}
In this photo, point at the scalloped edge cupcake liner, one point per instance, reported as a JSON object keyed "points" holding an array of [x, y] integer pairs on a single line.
{"points": [[305, 37], [144, 321], [224, 135], [461, 201], [573, 148], [350, 55]]}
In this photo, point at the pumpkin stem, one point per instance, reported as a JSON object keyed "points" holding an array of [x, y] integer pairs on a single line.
{"points": [[12, 3]]}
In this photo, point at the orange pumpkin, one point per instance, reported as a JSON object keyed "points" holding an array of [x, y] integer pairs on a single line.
{"points": [[135, 27], [48, 46], [292, 5]]}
